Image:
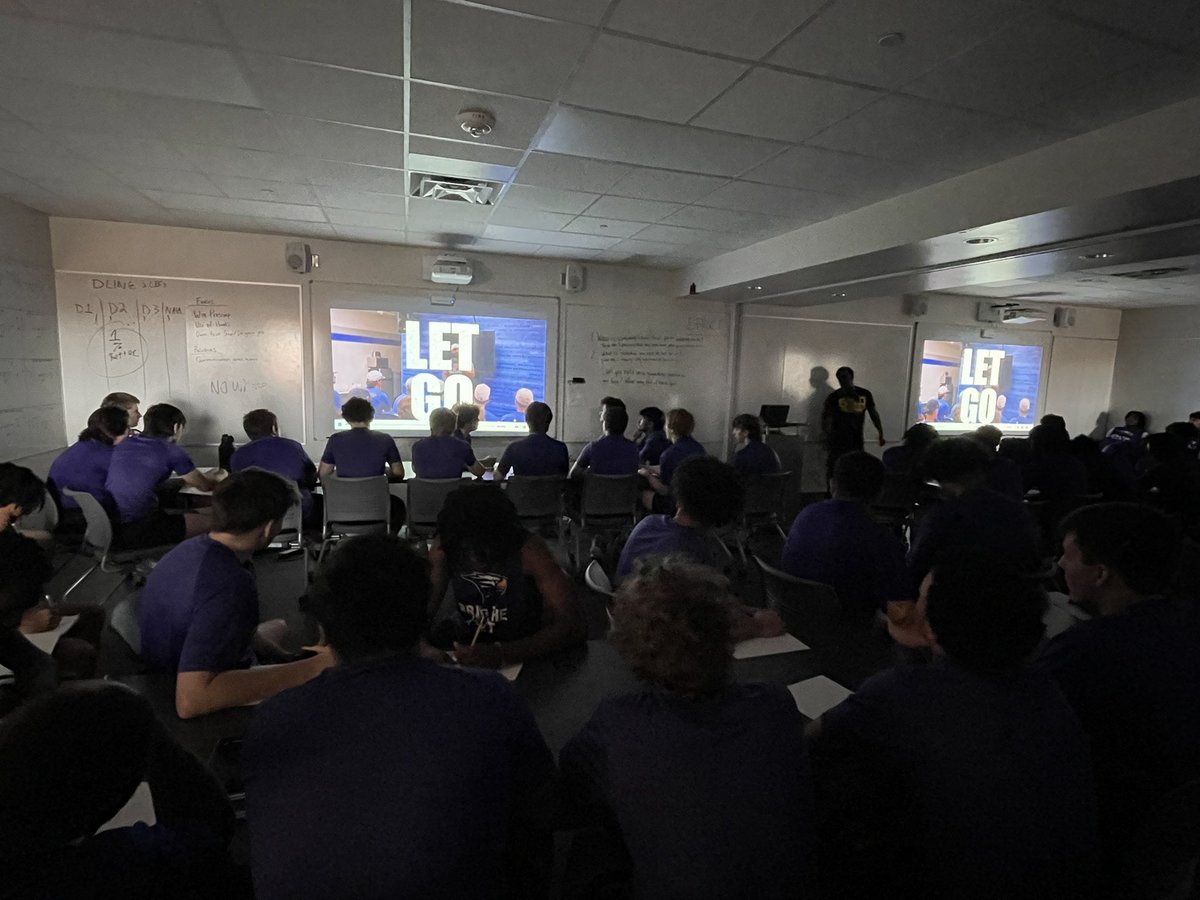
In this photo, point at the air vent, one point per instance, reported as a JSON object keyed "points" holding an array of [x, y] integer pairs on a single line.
{"points": [[453, 190], [1147, 274]]}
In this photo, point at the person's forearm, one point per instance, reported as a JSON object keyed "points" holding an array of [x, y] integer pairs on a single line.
{"points": [[563, 632], [199, 693], [185, 792]]}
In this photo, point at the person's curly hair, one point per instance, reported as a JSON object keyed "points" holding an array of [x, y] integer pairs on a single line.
{"points": [[672, 625]]}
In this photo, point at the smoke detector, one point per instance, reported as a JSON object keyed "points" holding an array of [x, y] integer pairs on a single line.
{"points": [[477, 123]]}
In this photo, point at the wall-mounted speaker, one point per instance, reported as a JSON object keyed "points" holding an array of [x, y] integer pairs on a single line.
{"points": [[571, 278], [1064, 317], [299, 258]]}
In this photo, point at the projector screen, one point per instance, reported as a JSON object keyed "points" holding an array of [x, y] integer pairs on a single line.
{"points": [[408, 363], [963, 384]]}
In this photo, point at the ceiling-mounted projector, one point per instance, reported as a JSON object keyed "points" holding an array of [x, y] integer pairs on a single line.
{"points": [[1009, 314], [447, 269]]}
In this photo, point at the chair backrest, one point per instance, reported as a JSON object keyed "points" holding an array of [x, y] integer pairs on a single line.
{"points": [[810, 609], [356, 504], [764, 495], [426, 497], [596, 578], [536, 497], [609, 496], [99, 534]]}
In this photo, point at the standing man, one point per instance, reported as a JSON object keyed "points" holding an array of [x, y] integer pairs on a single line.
{"points": [[842, 420]]}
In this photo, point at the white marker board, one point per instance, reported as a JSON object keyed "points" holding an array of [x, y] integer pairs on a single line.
{"points": [[215, 349], [673, 356], [31, 416]]}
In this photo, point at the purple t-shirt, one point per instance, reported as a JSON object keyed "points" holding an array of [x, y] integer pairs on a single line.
{"points": [[651, 449], [659, 535], [756, 458], [280, 455], [138, 465], [444, 456], [360, 453], [81, 467], [199, 610], [613, 454], [675, 454], [538, 454]]}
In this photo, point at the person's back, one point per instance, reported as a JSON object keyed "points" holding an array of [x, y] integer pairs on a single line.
{"points": [[441, 456], [681, 450], [535, 456], [613, 454], [756, 458], [283, 456], [81, 467], [138, 465], [360, 452], [658, 535]]}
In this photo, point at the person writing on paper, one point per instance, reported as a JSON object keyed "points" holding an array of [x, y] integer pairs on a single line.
{"points": [[139, 464], [199, 611], [536, 455], [436, 795], [682, 781], [511, 600], [442, 455]]}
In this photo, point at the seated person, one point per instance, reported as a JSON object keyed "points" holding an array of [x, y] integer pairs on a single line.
{"points": [[613, 454], [837, 542], [1103, 477], [127, 402], [536, 455], [1054, 472], [84, 465], [442, 455], [1004, 474], [752, 457], [1172, 476], [93, 744], [436, 796], [360, 452], [1131, 673], [511, 600], [692, 747], [1132, 432], [467, 417], [380, 401], [24, 569], [283, 456], [199, 609], [651, 436], [680, 425], [21, 493], [906, 457], [139, 464], [972, 773]]}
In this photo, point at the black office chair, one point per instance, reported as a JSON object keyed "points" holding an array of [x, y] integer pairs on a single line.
{"points": [[98, 542], [538, 500]]}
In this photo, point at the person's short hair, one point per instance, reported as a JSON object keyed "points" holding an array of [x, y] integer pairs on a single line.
{"points": [[681, 422], [370, 596], [106, 424], [612, 401], [358, 409], [858, 476], [985, 613], [538, 417], [20, 486], [920, 436], [478, 524], [259, 423], [616, 419], [1050, 420], [955, 461], [708, 490], [121, 399], [1167, 447], [1183, 430], [1049, 440], [1141, 418], [250, 499], [991, 434], [672, 624], [442, 421], [656, 417], [1139, 543], [162, 419], [749, 424], [1195, 415], [24, 569], [465, 414], [844, 372]]}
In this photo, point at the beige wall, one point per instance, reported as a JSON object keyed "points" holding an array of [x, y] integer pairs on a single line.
{"points": [[1158, 365]]}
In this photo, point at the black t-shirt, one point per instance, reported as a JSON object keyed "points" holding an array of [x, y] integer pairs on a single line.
{"points": [[845, 410]]}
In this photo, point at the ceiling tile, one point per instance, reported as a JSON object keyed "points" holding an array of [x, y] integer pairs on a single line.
{"points": [[270, 191], [340, 198], [486, 246], [1025, 62], [530, 218], [259, 224], [209, 123], [809, 206], [364, 219], [370, 235], [459, 168], [500, 59], [646, 248], [358, 34], [616, 72], [589, 12], [631, 210], [605, 227], [451, 211], [1174, 23], [241, 162], [126, 154], [361, 178], [845, 173], [92, 58], [434, 109], [419, 237], [11, 184], [570, 172], [746, 29], [17, 137], [190, 20], [722, 219], [172, 182], [774, 104], [84, 109], [603, 136], [673, 234], [496, 156], [323, 92], [255, 208], [65, 168], [566, 252], [520, 196], [843, 40], [447, 230], [343, 143], [555, 238], [658, 184]]}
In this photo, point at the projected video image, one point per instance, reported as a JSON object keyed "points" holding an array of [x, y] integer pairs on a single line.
{"points": [[968, 384], [408, 364]]}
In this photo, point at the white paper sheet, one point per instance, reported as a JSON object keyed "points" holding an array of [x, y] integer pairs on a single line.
{"points": [[511, 672], [46, 640], [815, 695], [140, 808], [784, 643]]}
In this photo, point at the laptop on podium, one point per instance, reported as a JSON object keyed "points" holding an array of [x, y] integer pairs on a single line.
{"points": [[774, 416]]}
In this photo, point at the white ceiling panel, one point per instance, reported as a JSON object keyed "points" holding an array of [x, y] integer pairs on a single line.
{"points": [[603, 136], [844, 173], [807, 206], [325, 92], [496, 156], [270, 191], [61, 168], [787, 107], [746, 29], [570, 172], [613, 228], [447, 229], [209, 123], [646, 248], [483, 245], [342, 143], [589, 12], [93, 58], [673, 234], [369, 235], [1174, 23], [358, 34], [17, 137], [107, 194], [530, 218], [447, 211], [616, 72], [458, 168], [73, 108], [842, 41], [499, 58], [631, 210], [340, 198], [434, 109], [567, 252], [727, 220], [354, 177], [172, 182], [363, 219], [240, 162], [255, 208], [555, 238], [522, 196], [659, 184], [190, 20], [116, 153]]}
